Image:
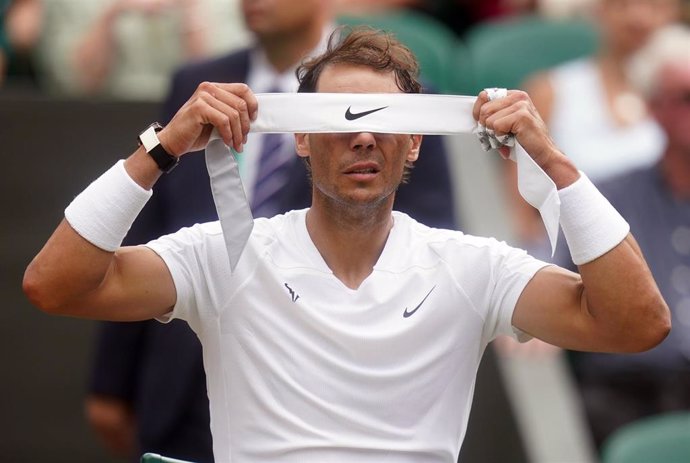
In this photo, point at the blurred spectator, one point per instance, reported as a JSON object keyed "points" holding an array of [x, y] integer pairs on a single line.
{"points": [[594, 114], [462, 15], [20, 23], [154, 372], [373, 6], [458, 15], [560, 9], [4, 42], [655, 200], [127, 49]]}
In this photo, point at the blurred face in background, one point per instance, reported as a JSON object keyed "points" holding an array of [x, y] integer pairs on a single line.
{"points": [[626, 25], [277, 18], [670, 104]]}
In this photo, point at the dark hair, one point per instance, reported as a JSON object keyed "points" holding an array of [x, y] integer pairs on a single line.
{"points": [[364, 46]]}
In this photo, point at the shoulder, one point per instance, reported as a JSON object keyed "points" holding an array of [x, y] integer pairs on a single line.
{"points": [[198, 235], [223, 68], [574, 68], [228, 68], [450, 245], [266, 229]]}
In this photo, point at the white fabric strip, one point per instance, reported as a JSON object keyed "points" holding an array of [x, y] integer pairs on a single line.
{"points": [[379, 113], [411, 113], [228, 194]]}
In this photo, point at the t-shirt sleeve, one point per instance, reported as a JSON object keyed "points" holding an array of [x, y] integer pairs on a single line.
{"points": [[512, 271], [189, 255], [493, 275]]}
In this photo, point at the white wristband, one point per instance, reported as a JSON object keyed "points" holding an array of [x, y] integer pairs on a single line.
{"points": [[103, 213], [591, 225]]}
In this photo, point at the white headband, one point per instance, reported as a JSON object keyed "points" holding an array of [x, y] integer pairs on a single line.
{"points": [[365, 112]]}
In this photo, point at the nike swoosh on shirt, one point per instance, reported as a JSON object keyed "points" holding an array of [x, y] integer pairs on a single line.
{"points": [[407, 313], [350, 116]]}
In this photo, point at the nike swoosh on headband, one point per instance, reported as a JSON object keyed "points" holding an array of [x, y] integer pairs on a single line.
{"points": [[350, 116], [406, 113]]}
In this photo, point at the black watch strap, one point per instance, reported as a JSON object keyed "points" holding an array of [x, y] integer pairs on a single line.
{"points": [[164, 160]]}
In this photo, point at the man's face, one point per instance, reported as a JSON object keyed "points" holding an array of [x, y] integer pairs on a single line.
{"points": [[271, 18], [629, 23], [671, 104], [357, 168]]}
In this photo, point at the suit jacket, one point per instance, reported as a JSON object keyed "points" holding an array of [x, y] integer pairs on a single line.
{"points": [[158, 367]]}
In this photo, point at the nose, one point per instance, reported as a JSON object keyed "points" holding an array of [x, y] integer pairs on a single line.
{"points": [[362, 141]]}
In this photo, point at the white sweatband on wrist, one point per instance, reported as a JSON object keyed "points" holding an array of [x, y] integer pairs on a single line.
{"points": [[103, 213], [591, 225]]}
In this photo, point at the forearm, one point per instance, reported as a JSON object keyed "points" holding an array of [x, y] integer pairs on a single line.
{"points": [[80, 254], [613, 305], [620, 296], [622, 299]]}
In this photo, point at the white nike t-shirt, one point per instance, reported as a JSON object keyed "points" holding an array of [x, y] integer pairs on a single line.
{"points": [[300, 368]]}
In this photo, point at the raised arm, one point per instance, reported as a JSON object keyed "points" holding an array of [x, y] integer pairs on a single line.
{"points": [[95, 53], [613, 304], [82, 272]]}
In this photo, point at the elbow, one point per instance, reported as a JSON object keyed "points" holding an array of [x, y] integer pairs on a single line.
{"points": [[654, 328], [38, 291]]}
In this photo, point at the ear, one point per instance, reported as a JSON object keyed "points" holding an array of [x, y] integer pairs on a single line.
{"points": [[413, 154], [302, 145]]}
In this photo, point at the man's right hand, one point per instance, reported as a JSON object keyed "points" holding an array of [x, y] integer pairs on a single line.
{"points": [[229, 108], [113, 421]]}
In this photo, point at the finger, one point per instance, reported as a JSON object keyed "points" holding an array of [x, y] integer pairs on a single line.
{"points": [[243, 91], [482, 98], [492, 107], [513, 97], [227, 94], [233, 118], [220, 121], [244, 104], [509, 119], [240, 109]]}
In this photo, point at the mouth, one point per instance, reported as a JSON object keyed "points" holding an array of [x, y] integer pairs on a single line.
{"points": [[362, 171]]}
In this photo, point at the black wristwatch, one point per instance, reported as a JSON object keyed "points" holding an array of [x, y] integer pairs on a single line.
{"points": [[148, 138]]}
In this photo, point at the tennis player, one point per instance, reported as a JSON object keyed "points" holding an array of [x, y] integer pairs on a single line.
{"points": [[348, 332]]}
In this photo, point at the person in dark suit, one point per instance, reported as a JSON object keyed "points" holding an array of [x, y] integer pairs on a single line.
{"points": [[148, 379]]}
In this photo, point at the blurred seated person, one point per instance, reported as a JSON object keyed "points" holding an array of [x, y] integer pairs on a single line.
{"points": [[593, 112], [655, 200], [4, 42], [458, 15], [19, 31], [127, 49]]}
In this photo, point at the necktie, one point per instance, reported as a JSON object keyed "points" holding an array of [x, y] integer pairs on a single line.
{"points": [[272, 175]]}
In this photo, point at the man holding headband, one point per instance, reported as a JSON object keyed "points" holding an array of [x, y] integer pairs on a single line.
{"points": [[346, 331]]}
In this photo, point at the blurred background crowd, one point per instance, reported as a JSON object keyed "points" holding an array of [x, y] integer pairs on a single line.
{"points": [[611, 78]]}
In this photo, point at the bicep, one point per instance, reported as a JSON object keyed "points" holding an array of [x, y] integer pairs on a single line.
{"points": [[137, 286], [553, 309]]}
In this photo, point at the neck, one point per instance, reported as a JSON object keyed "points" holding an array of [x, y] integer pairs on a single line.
{"points": [[675, 166], [284, 51], [613, 66], [350, 239]]}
